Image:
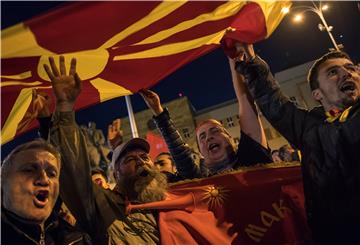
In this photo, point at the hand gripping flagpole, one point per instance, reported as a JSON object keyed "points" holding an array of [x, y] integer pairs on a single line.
{"points": [[134, 131]]}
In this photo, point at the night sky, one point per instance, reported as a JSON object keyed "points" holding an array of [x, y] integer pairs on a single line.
{"points": [[290, 45]]}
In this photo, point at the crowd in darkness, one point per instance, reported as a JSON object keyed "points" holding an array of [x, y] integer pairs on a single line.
{"points": [[72, 185]]}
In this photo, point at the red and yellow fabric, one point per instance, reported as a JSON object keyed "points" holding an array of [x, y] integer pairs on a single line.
{"points": [[120, 46], [157, 144], [261, 205], [335, 114]]}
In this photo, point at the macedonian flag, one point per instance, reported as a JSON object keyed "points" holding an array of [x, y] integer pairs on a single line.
{"points": [[120, 46], [253, 205]]}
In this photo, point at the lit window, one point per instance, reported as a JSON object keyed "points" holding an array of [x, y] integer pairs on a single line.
{"points": [[186, 133], [294, 100], [230, 122]]}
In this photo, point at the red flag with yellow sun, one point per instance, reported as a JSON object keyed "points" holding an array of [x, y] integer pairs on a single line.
{"points": [[253, 205], [120, 47]]}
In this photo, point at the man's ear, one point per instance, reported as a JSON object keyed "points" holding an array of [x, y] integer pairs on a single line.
{"points": [[317, 94]]}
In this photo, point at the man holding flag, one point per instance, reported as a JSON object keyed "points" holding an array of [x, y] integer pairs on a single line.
{"points": [[327, 136], [219, 151]]}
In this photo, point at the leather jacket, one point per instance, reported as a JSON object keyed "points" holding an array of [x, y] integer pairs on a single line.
{"points": [[56, 232], [330, 156], [249, 152]]}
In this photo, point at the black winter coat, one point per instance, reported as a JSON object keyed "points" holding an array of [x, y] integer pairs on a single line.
{"points": [[330, 156], [57, 231]]}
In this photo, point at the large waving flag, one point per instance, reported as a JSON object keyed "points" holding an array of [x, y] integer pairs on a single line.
{"points": [[120, 46], [257, 205]]}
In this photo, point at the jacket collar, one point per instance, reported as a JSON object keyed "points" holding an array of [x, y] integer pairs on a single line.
{"points": [[335, 114], [26, 228]]}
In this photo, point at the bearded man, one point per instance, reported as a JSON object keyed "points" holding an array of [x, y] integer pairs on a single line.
{"points": [[136, 175], [101, 212]]}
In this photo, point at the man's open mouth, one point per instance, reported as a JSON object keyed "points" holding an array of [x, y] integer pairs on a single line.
{"points": [[41, 198], [213, 146], [347, 87]]}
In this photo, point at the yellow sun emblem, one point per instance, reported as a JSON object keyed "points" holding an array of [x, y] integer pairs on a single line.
{"points": [[215, 196]]}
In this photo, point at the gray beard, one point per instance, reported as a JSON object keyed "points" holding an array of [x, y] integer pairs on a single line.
{"points": [[144, 189]]}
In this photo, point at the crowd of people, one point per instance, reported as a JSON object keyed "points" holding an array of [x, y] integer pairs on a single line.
{"points": [[55, 189]]}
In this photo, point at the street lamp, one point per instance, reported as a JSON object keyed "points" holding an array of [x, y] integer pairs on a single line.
{"points": [[317, 9]]}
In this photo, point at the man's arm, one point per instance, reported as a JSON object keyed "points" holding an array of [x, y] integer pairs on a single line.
{"points": [[43, 113], [76, 185], [278, 109], [180, 152], [249, 119]]}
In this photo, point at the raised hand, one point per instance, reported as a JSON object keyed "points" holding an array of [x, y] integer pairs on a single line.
{"points": [[152, 100], [66, 87], [244, 51], [114, 134], [41, 104]]}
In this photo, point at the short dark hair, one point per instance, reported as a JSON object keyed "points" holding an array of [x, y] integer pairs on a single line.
{"points": [[165, 153], [35, 144], [274, 151], [98, 170], [283, 149], [314, 70]]}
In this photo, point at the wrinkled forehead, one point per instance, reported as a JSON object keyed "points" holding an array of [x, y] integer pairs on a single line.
{"points": [[131, 153], [207, 126], [134, 152], [35, 156], [334, 62]]}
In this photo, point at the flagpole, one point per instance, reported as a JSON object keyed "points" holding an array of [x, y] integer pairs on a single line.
{"points": [[134, 131]]}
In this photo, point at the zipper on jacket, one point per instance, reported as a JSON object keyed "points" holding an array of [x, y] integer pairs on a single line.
{"points": [[77, 240], [42, 236], [21, 232]]}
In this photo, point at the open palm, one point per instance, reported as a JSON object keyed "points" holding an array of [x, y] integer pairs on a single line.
{"points": [[66, 87], [115, 133]]}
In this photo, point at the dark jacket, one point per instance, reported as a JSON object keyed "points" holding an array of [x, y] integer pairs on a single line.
{"points": [[249, 151], [330, 156], [100, 212], [45, 124], [57, 231]]}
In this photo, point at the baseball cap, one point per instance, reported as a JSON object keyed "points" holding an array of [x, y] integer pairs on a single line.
{"points": [[133, 143]]}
